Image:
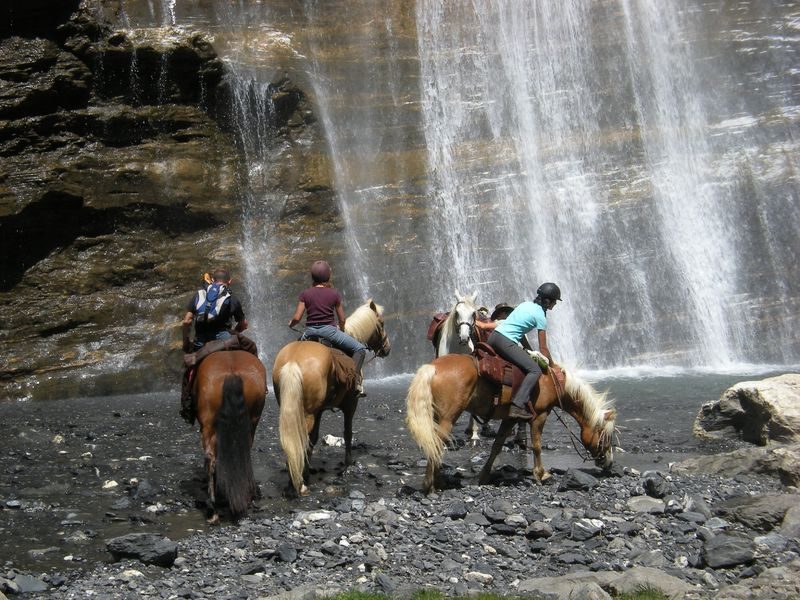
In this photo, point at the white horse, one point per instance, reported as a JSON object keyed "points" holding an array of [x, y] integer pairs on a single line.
{"points": [[455, 336]]}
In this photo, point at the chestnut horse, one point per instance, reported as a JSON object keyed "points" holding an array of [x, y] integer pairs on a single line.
{"points": [[441, 390], [308, 379], [230, 388]]}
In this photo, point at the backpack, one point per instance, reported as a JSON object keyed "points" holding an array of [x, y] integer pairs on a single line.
{"points": [[210, 301]]}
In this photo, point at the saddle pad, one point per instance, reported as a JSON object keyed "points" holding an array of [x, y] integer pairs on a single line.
{"points": [[344, 369]]}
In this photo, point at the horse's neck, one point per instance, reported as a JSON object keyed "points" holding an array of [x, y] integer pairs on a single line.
{"points": [[562, 400]]}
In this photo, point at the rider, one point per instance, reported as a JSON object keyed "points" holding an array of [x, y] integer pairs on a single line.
{"points": [[209, 329], [500, 313], [508, 334], [323, 307]]}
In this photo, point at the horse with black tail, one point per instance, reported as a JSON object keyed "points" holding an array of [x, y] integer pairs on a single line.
{"points": [[230, 388], [441, 390]]}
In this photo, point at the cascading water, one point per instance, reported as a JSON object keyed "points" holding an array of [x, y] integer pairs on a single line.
{"points": [[642, 155], [599, 177]]}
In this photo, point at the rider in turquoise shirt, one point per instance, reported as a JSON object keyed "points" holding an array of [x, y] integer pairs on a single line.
{"points": [[524, 318], [507, 336]]}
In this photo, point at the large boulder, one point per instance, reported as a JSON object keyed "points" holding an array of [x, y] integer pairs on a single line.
{"points": [[781, 462], [758, 411]]}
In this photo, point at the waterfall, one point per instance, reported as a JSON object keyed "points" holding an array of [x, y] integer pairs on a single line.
{"points": [[603, 178], [642, 155]]}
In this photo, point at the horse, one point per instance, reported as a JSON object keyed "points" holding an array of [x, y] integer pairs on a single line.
{"points": [[441, 390], [309, 378], [230, 388], [456, 333]]}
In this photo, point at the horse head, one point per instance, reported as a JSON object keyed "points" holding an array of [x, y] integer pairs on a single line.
{"points": [[597, 418], [464, 317], [598, 440], [374, 335]]}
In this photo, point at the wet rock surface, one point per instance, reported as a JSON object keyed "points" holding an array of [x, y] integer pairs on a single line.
{"points": [[119, 186], [81, 473]]}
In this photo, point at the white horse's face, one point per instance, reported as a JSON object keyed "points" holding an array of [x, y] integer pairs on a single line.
{"points": [[464, 313]]}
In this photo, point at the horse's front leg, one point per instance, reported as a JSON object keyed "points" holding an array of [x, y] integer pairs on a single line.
{"points": [[472, 431], [537, 425], [500, 437]]}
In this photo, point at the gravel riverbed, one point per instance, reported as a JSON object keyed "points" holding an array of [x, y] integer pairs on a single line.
{"points": [[77, 473]]}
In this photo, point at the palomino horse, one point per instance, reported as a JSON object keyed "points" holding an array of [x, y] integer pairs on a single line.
{"points": [[442, 389], [455, 334], [230, 388], [308, 379]]}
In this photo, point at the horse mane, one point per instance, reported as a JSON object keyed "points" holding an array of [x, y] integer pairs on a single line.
{"points": [[363, 321], [593, 405]]}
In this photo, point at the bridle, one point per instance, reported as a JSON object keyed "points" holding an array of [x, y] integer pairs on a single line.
{"points": [[384, 343], [459, 323]]}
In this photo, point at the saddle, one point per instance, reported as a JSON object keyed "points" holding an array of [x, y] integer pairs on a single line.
{"points": [[315, 338], [436, 324], [235, 342], [495, 370]]}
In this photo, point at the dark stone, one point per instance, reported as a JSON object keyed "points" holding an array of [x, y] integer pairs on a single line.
{"points": [[729, 550], [656, 486], [29, 585], [575, 479], [762, 513], [287, 553], [149, 548], [456, 510]]}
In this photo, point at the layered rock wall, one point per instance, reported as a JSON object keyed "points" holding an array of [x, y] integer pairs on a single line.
{"points": [[119, 186]]}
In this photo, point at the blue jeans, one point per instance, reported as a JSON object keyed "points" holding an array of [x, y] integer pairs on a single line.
{"points": [[222, 334], [338, 338]]}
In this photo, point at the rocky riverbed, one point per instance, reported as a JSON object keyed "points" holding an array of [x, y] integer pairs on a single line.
{"points": [[78, 473]]}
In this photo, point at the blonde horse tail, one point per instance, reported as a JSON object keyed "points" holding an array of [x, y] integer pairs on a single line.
{"points": [[420, 417], [292, 422]]}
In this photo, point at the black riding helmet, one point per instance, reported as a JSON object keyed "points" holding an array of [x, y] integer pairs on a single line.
{"points": [[549, 290]]}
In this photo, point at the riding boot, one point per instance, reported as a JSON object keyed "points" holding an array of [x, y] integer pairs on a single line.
{"points": [[521, 402], [358, 359], [187, 401]]}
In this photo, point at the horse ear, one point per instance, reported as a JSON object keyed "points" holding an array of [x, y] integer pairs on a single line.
{"points": [[610, 414], [474, 296], [371, 304], [459, 297]]}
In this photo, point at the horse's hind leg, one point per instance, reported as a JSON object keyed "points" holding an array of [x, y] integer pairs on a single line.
{"points": [[209, 448], [500, 437], [431, 471], [349, 412], [212, 516]]}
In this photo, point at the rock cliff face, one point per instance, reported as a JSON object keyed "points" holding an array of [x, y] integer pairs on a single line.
{"points": [[118, 187]]}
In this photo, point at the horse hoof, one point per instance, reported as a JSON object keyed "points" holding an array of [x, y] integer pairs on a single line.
{"points": [[213, 520], [545, 476], [304, 491]]}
